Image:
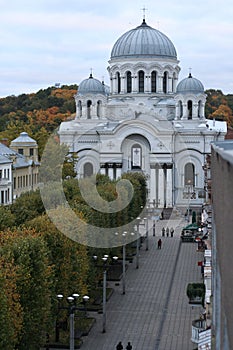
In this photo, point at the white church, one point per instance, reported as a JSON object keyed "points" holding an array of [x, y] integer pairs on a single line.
{"points": [[146, 121]]}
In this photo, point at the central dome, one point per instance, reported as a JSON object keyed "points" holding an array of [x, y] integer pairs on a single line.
{"points": [[144, 41]]}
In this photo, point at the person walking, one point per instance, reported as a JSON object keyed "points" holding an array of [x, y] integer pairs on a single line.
{"points": [[167, 231], [163, 231], [129, 346], [119, 346], [159, 243], [172, 231]]}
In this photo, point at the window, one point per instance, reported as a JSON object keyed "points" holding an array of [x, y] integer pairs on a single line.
{"points": [[20, 151], [99, 104], [199, 109], [88, 169], [141, 83], [31, 152], [165, 79], [189, 175], [136, 156], [180, 109], [118, 82], [153, 81], [129, 82], [190, 109], [79, 108], [89, 103]]}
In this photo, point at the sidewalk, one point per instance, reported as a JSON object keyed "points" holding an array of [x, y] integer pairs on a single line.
{"points": [[154, 314]]}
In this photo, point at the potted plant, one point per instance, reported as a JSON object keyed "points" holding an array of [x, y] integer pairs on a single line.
{"points": [[196, 293]]}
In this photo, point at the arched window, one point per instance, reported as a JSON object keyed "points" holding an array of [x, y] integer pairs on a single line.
{"points": [[189, 174], [79, 108], [180, 109], [141, 82], [129, 82], [199, 109], [173, 82], [99, 105], [190, 109], [136, 156], [154, 81], [89, 103], [165, 82], [87, 169], [118, 82]]}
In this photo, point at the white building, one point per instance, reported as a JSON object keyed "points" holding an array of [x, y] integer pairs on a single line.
{"points": [[146, 121], [19, 168], [5, 180]]}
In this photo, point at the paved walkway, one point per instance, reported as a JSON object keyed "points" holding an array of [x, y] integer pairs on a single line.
{"points": [[154, 314]]}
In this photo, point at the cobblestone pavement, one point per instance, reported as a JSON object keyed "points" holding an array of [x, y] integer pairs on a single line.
{"points": [[154, 314]]}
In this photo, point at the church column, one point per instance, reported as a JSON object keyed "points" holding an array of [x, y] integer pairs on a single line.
{"points": [[118, 170], [169, 85], [123, 85], [202, 112], [185, 111], [147, 83], [134, 83], [111, 86], [103, 169], [165, 185], [177, 115], [169, 186], [161, 187], [110, 171], [152, 181], [195, 110], [114, 85], [160, 84], [175, 84]]}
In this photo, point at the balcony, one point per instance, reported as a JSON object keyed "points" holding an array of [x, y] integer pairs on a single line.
{"points": [[198, 326]]}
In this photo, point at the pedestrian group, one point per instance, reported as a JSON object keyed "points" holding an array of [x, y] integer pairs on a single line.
{"points": [[167, 231], [120, 346]]}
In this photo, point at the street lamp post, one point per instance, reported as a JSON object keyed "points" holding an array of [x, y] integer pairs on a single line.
{"points": [[123, 267], [104, 260], [124, 258], [72, 300], [138, 242], [147, 233], [189, 198]]}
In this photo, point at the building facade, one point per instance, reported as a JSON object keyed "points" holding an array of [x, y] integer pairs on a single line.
{"points": [[222, 243], [19, 167], [145, 121]]}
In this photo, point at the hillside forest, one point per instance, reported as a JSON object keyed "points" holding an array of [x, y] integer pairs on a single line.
{"points": [[40, 113]]}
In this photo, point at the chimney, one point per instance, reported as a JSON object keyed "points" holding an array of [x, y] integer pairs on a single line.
{"points": [[5, 142]]}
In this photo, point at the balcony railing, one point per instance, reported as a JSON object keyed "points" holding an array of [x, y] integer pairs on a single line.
{"points": [[197, 327]]}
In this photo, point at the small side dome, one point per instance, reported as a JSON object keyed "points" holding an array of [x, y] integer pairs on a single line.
{"points": [[23, 139], [91, 86], [190, 85]]}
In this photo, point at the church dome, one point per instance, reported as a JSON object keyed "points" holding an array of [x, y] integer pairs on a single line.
{"points": [[91, 85], [144, 41], [190, 84]]}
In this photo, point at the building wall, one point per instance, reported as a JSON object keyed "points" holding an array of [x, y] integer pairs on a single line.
{"points": [[222, 201], [6, 183]]}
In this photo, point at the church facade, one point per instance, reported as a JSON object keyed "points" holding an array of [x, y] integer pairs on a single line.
{"points": [[146, 121]]}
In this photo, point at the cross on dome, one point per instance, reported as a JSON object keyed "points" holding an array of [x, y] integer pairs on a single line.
{"points": [[144, 13]]}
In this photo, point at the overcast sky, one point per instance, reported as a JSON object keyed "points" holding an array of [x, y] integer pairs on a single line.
{"points": [[45, 42]]}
